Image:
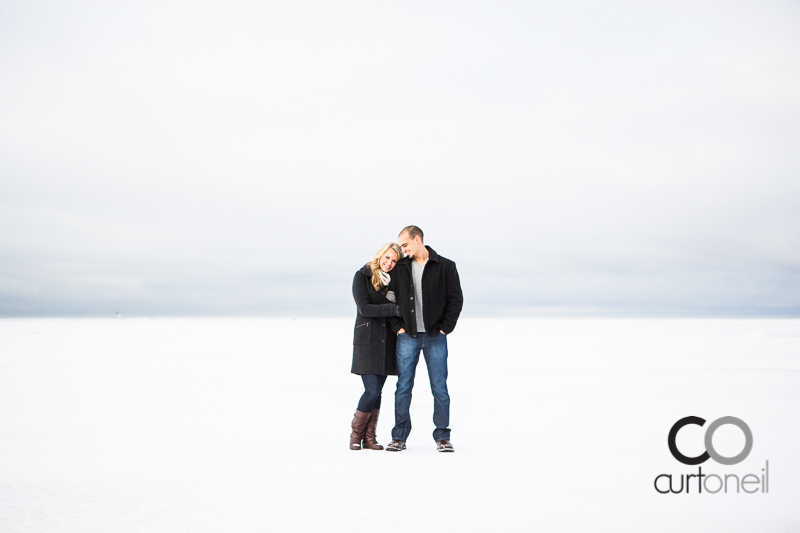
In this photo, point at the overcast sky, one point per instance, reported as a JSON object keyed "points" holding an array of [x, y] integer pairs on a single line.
{"points": [[236, 158]]}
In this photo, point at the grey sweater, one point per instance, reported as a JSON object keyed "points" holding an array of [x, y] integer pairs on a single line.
{"points": [[416, 274]]}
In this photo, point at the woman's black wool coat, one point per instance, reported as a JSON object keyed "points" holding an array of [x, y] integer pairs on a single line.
{"points": [[374, 343]]}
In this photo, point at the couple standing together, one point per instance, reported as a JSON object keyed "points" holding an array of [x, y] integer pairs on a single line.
{"points": [[406, 305]]}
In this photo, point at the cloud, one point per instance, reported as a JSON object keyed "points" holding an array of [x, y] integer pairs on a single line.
{"points": [[242, 158]]}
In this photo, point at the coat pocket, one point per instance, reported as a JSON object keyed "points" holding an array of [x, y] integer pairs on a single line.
{"points": [[361, 335]]}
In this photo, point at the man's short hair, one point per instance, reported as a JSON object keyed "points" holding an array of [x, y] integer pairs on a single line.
{"points": [[413, 231]]}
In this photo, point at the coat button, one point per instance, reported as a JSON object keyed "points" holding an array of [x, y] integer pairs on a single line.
{"points": [[412, 310], [412, 297], [383, 325], [382, 341]]}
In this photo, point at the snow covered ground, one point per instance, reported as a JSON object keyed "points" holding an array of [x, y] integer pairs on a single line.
{"points": [[242, 425]]}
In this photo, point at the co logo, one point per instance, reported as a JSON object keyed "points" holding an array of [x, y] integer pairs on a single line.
{"points": [[710, 451]]}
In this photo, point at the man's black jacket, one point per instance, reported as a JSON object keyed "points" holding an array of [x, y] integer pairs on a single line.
{"points": [[441, 295]]}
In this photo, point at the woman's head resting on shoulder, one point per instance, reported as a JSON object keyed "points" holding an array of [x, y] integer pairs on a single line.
{"points": [[384, 261], [388, 256]]}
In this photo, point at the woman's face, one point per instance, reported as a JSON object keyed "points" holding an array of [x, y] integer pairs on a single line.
{"points": [[388, 260]]}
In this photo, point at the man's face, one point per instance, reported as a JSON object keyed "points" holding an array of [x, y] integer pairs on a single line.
{"points": [[411, 247]]}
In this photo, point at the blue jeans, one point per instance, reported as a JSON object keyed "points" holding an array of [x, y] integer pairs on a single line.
{"points": [[434, 349], [371, 399]]}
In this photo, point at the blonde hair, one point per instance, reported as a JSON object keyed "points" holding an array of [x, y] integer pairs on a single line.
{"points": [[375, 264]]}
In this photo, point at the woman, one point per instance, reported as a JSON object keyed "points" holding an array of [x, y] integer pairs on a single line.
{"points": [[374, 342]]}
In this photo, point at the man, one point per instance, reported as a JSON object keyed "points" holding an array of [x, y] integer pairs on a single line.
{"points": [[428, 292]]}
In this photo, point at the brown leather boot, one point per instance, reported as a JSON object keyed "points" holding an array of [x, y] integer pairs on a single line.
{"points": [[359, 426], [369, 437]]}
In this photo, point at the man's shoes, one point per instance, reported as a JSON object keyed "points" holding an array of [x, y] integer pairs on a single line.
{"points": [[444, 446], [396, 446], [359, 427]]}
